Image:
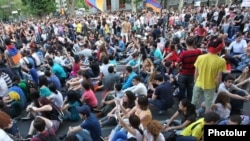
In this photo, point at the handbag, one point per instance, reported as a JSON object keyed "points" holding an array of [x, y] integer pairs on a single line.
{"points": [[60, 114]]}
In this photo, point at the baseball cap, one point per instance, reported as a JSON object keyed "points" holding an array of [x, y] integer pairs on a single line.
{"points": [[84, 109]]}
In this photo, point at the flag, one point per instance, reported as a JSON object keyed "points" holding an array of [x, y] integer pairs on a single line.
{"points": [[95, 3], [154, 5], [89, 4]]}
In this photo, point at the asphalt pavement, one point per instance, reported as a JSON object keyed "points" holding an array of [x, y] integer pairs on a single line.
{"points": [[25, 124]]}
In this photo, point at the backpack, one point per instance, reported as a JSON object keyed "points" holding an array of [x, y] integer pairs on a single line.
{"points": [[51, 137], [14, 54], [31, 60]]}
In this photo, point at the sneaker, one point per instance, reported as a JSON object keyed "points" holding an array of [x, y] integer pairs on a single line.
{"points": [[28, 117], [27, 138]]}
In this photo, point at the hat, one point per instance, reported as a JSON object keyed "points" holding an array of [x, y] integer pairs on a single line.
{"points": [[84, 109], [215, 45], [45, 92]]}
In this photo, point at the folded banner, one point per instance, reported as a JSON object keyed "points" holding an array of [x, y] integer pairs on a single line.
{"points": [[154, 5], [95, 3]]}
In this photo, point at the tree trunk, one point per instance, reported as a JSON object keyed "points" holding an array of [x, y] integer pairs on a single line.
{"points": [[165, 2], [71, 7], [133, 5]]}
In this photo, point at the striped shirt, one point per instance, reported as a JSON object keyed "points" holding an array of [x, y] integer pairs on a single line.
{"points": [[187, 59]]}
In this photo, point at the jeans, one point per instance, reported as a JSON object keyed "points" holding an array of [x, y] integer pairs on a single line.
{"points": [[186, 138], [120, 136], [17, 71], [83, 135], [237, 104], [186, 84], [232, 31]]}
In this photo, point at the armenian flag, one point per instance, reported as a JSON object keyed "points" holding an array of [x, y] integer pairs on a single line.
{"points": [[154, 5], [95, 3]]}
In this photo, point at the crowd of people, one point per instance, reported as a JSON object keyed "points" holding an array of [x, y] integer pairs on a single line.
{"points": [[51, 68]]}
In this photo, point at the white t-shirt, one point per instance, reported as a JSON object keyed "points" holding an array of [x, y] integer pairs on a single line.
{"points": [[150, 137], [4, 136], [104, 69], [138, 136], [57, 99], [238, 47]]}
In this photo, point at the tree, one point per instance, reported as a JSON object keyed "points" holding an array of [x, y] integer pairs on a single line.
{"points": [[40, 7], [134, 4], [71, 7]]}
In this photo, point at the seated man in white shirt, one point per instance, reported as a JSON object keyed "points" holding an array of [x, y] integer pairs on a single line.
{"points": [[138, 87]]}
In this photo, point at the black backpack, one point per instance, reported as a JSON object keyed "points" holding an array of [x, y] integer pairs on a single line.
{"points": [[51, 137]]}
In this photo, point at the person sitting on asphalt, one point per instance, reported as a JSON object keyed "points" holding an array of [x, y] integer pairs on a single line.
{"points": [[89, 129], [163, 95]]}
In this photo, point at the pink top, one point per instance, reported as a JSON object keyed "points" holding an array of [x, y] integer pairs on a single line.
{"points": [[75, 69], [90, 98]]}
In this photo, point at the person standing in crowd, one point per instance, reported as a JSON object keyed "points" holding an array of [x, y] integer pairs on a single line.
{"points": [[205, 64], [186, 62]]}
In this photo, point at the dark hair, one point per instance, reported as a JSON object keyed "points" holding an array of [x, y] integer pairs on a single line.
{"points": [[105, 59], [44, 101], [77, 58], [190, 40], [129, 69], [73, 96], [235, 118], [110, 69], [71, 138], [159, 77], [85, 85], [138, 78], [16, 79], [52, 88], [43, 81], [143, 102], [135, 122], [211, 117], [34, 96], [131, 100], [47, 73], [118, 86], [50, 61], [39, 124], [229, 77], [214, 42], [190, 107]]}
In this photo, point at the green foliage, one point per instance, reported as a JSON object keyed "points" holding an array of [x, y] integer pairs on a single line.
{"points": [[81, 4], [40, 7]]}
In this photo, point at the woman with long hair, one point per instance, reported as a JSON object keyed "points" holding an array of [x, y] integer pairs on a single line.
{"points": [[147, 70], [48, 112], [128, 102], [243, 80], [186, 110], [222, 105]]}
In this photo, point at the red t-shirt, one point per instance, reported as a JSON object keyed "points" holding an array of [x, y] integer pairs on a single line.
{"points": [[75, 69], [200, 31], [90, 98], [187, 59]]}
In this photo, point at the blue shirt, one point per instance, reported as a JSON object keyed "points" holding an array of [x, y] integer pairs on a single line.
{"points": [[20, 92], [55, 80], [34, 75], [157, 54], [58, 71], [128, 82], [121, 45], [91, 124]]}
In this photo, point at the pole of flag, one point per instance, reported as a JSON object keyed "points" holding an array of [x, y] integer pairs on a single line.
{"points": [[161, 7]]}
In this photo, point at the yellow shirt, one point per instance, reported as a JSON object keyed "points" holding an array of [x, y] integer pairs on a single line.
{"points": [[195, 129], [79, 28], [209, 65]]}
